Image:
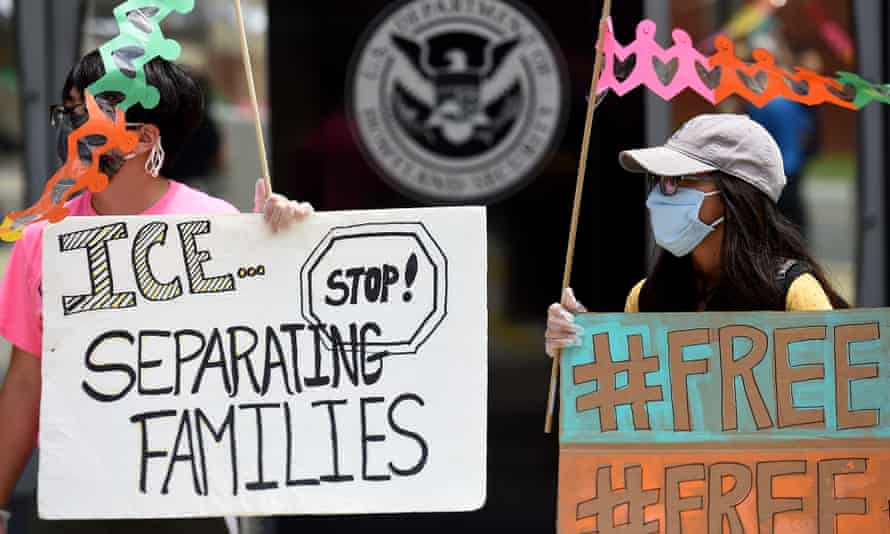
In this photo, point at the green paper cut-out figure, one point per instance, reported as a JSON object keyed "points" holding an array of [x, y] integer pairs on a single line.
{"points": [[866, 91], [140, 41]]}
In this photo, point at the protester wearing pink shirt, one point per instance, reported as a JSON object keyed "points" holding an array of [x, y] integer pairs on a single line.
{"points": [[136, 187]]}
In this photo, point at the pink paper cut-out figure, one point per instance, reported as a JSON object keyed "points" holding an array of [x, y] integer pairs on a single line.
{"points": [[611, 49], [687, 76], [642, 51], [607, 75], [666, 83], [644, 48]]}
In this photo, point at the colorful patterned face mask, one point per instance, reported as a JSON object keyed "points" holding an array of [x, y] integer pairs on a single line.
{"points": [[68, 122]]}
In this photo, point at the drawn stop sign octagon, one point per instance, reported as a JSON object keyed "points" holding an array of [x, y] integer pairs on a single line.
{"points": [[395, 274]]}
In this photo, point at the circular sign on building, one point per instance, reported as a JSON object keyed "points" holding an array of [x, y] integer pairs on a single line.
{"points": [[458, 102]]}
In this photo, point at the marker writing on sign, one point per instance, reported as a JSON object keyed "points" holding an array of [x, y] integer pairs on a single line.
{"points": [[370, 284], [253, 430], [238, 359], [94, 244]]}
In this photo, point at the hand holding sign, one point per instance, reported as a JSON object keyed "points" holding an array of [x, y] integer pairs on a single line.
{"points": [[562, 331], [278, 211]]}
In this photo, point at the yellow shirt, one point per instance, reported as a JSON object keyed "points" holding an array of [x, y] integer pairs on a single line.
{"points": [[805, 294]]}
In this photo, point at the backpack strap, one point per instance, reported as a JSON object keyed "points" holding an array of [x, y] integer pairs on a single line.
{"points": [[790, 271]]}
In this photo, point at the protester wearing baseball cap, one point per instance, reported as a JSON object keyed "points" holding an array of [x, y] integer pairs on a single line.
{"points": [[713, 190]]}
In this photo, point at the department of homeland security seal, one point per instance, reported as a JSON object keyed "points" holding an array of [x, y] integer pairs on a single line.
{"points": [[457, 101]]}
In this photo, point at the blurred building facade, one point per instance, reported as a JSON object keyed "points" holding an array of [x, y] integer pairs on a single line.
{"points": [[301, 54]]}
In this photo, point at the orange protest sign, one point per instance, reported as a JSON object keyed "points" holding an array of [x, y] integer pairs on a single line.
{"points": [[731, 492]]}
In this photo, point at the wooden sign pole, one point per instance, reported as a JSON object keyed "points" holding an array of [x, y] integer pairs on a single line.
{"points": [[251, 87], [579, 189]]}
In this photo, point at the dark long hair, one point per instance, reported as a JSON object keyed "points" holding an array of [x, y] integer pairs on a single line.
{"points": [[757, 241]]}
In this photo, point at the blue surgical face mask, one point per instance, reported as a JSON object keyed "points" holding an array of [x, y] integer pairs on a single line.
{"points": [[675, 221]]}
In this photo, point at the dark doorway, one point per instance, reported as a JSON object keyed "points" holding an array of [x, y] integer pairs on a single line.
{"points": [[316, 158]]}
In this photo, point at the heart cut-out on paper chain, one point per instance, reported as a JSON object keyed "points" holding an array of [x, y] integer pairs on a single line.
{"points": [[666, 72], [711, 78], [623, 69], [757, 83]]}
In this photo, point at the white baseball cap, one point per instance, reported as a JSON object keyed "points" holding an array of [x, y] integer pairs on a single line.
{"points": [[733, 144]]}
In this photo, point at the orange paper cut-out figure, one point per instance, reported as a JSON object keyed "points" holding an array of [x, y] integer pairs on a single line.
{"points": [[815, 89], [763, 81], [76, 175], [771, 81], [758, 83], [728, 63]]}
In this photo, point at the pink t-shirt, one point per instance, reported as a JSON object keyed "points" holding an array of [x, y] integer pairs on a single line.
{"points": [[21, 304]]}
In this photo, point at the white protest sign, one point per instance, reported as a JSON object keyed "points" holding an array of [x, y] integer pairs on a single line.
{"points": [[202, 366]]}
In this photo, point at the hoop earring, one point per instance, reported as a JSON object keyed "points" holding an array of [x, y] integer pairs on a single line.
{"points": [[155, 160]]}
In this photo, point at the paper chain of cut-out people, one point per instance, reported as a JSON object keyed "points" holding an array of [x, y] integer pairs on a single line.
{"points": [[643, 63], [669, 71], [140, 41], [124, 57]]}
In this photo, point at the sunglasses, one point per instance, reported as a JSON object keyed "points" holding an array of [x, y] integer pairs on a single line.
{"points": [[77, 115], [58, 114], [669, 185]]}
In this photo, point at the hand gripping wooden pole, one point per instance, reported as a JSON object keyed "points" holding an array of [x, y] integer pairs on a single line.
{"points": [[579, 189], [251, 87]]}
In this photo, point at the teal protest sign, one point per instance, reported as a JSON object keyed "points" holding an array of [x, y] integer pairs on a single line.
{"points": [[680, 378]]}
